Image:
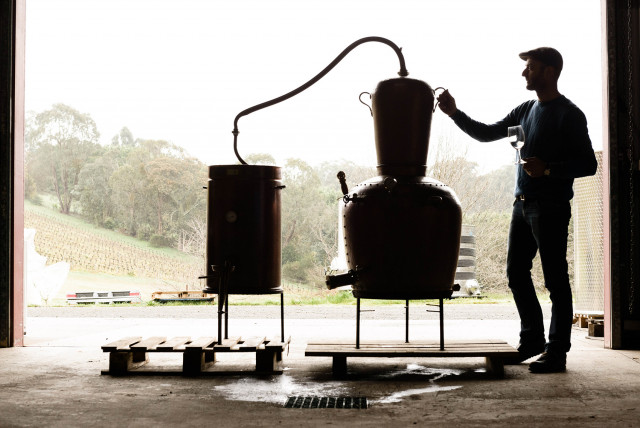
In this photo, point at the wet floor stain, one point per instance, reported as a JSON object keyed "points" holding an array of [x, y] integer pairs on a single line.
{"points": [[277, 390], [433, 374], [396, 397], [417, 370]]}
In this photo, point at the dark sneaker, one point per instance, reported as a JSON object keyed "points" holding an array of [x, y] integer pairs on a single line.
{"points": [[524, 353], [549, 362]]}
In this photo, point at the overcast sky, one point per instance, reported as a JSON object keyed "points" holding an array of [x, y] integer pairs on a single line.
{"points": [[181, 70]]}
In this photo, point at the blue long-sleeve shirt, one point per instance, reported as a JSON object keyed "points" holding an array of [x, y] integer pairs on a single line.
{"points": [[555, 132]]}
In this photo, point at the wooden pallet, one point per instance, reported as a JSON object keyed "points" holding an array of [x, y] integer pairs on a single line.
{"points": [[582, 319], [493, 351], [182, 296], [127, 355]]}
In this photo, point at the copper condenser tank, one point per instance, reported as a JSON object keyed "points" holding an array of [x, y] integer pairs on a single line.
{"points": [[243, 229], [401, 228]]}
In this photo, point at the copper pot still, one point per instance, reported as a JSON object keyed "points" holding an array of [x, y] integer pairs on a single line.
{"points": [[401, 228]]}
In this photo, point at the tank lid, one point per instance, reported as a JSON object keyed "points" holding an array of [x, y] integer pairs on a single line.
{"points": [[245, 171]]}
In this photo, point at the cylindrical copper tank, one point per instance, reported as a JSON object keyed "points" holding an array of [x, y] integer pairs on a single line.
{"points": [[243, 228], [401, 229]]}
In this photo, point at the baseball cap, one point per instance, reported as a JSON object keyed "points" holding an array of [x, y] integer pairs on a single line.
{"points": [[546, 55]]}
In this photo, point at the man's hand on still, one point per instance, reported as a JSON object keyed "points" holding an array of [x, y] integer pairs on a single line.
{"points": [[534, 167], [447, 103]]}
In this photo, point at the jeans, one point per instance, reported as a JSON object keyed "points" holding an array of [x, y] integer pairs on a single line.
{"points": [[541, 225]]}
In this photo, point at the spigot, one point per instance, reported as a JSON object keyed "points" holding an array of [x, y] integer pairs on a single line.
{"points": [[343, 182]]}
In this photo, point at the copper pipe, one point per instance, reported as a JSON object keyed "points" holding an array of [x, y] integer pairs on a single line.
{"points": [[402, 73]]}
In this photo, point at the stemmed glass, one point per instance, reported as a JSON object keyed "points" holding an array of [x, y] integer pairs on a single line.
{"points": [[515, 135]]}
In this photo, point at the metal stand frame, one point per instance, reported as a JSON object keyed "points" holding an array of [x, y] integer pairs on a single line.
{"points": [[440, 311], [223, 298], [223, 301]]}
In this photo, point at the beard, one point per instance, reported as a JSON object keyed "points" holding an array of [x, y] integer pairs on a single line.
{"points": [[534, 83]]}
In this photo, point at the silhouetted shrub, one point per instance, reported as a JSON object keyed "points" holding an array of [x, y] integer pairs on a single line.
{"points": [[158, 241]]}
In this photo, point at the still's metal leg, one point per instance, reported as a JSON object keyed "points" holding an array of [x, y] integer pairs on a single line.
{"points": [[406, 338], [441, 325], [358, 323], [226, 315], [224, 273], [220, 307], [282, 316]]}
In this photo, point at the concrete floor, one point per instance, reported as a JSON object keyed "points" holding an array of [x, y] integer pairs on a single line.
{"points": [[56, 380]]}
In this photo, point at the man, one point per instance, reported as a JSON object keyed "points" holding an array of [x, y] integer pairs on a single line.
{"points": [[557, 150]]}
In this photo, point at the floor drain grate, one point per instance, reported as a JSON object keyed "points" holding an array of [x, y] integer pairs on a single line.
{"points": [[311, 402]]}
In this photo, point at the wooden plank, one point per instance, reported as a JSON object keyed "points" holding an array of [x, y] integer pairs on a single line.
{"points": [[226, 344], [466, 262], [200, 343], [121, 345], [277, 344], [426, 345], [467, 251], [465, 275], [485, 348], [436, 349], [447, 348], [416, 352], [189, 293], [594, 314], [402, 342], [407, 354], [148, 344], [251, 344], [173, 344], [467, 239]]}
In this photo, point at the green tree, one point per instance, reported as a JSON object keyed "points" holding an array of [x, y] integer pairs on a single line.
{"points": [[128, 197], [297, 200], [188, 216], [175, 188], [124, 138], [309, 223], [60, 142], [94, 189], [158, 191], [260, 159]]}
